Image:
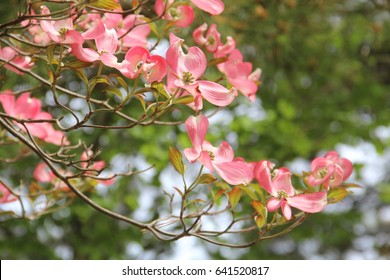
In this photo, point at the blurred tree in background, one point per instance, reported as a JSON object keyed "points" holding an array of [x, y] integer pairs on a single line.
{"points": [[325, 85]]}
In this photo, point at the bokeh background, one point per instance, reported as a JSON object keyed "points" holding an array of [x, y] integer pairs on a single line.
{"points": [[325, 86]]}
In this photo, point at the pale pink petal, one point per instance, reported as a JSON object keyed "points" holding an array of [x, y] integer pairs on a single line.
{"points": [[42, 173], [194, 62], [159, 69], [27, 107], [205, 159], [235, 172], [5, 195], [347, 167], [84, 54], [108, 42], [191, 154], [186, 16], [282, 182], [216, 94], [7, 99], [310, 203], [224, 153], [286, 210], [95, 32], [214, 7], [262, 174], [198, 36], [273, 204], [109, 60], [197, 128]]}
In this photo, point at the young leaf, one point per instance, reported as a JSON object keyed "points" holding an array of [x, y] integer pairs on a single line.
{"points": [[183, 99], [234, 196], [337, 194], [176, 159], [104, 4], [207, 179], [159, 86]]}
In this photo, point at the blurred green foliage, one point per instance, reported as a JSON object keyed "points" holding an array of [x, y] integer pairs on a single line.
{"points": [[325, 81]]}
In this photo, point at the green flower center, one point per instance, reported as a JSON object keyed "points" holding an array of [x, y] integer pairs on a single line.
{"points": [[187, 78]]}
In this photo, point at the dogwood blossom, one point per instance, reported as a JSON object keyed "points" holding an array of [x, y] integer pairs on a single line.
{"points": [[29, 108], [330, 170], [235, 171], [186, 71], [283, 193]]}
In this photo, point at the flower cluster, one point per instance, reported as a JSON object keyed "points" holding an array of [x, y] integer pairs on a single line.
{"points": [[328, 171], [118, 49]]}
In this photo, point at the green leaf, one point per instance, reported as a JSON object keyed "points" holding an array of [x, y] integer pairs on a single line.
{"points": [[337, 194], [234, 196], [104, 4], [176, 159], [216, 61], [207, 179], [249, 192], [184, 99], [114, 90], [159, 86], [50, 54]]}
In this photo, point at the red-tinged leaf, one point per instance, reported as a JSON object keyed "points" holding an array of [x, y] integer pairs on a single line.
{"points": [[259, 207], [234, 196], [337, 194], [104, 4], [260, 221], [207, 179], [261, 213], [219, 194], [176, 159], [179, 191]]}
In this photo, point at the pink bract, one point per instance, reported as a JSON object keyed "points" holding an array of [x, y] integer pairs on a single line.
{"points": [[180, 15], [5, 195], [138, 61], [240, 75], [106, 41], [60, 31], [7, 54], [330, 170], [283, 193], [185, 71], [221, 158], [214, 7], [29, 108]]}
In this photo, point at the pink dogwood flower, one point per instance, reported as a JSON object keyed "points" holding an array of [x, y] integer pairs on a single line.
{"points": [[133, 29], [187, 69], [138, 61], [213, 7], [8, 54], [95, 167], [60, 31], [283, 194], [43, 174], [330, 170], [29, 108], [179, 15], [221, 158], [106, 41], [5, 195], [240, 75], [212, 40]]}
